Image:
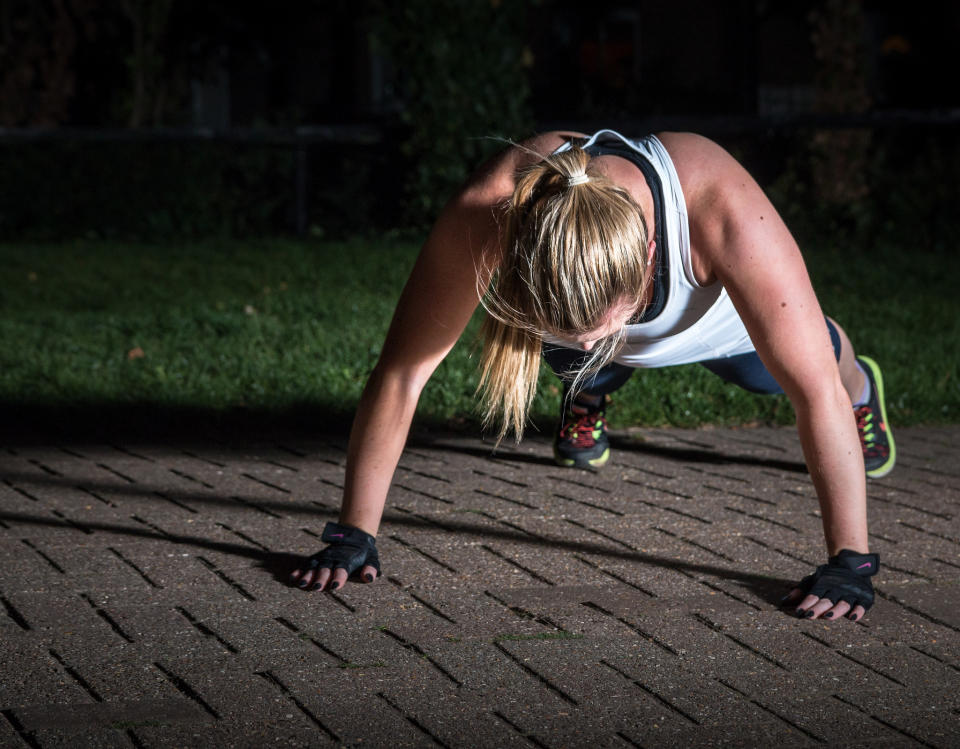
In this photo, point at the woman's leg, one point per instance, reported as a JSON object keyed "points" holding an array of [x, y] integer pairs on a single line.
{"points": [[851, 373], [747, 371], [862, 380], [581, 438]]}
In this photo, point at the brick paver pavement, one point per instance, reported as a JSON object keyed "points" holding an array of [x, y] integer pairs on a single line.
{"points": [[143, 598]]}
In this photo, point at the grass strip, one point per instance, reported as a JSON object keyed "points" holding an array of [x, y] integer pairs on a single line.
{"points": [[284, 329]]}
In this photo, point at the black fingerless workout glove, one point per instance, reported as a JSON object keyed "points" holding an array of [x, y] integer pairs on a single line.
{"points": [[845, 577], [350, 548]]}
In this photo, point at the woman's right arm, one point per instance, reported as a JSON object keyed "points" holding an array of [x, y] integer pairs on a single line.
{"points": [[436, 304]]}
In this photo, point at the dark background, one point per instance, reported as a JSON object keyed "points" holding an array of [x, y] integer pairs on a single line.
{"points": [[152, 119]]}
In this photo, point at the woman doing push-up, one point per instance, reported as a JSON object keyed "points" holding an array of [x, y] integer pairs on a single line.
{"points": [[606, 254]]}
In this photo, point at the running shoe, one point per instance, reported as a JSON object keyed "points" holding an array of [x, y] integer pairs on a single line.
{"points": [[581, 441], [879, 451]]}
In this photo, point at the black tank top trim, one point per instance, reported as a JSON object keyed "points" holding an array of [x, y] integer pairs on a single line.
{"points": [[661, 268]]}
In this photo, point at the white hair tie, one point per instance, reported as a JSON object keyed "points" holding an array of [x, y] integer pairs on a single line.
{"points": [[579, 179]]}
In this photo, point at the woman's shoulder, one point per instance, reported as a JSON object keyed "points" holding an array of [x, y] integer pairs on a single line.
{"points": [[693, 155], [703, 166]]}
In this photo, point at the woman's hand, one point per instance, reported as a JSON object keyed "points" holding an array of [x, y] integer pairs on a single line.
{"points": [[350, 550], [841, 587]]}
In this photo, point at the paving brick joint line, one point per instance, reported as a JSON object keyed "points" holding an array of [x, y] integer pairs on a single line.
{"points": [[144, 603]]}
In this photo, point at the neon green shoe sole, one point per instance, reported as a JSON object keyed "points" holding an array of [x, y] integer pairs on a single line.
{"points": [[876, 437], [581, 462]]}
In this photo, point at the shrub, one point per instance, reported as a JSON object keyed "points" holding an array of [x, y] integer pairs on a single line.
{"points": [[462, 82]]}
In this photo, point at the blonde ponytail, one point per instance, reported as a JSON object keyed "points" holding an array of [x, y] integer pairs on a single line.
{"points": [[574, 248], [508, 374]]}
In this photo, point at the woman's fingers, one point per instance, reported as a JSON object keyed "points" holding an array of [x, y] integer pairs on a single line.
{"points": [[812, 607], [804, 606], [338, 579], [326, 579], [835, 612], [321, 578], [857, 613], [818, 609], [302, 578]]}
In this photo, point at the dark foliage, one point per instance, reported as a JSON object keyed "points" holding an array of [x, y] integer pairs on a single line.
{"points": [[463, 88]]}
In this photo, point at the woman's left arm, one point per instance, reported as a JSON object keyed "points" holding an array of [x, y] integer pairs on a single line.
{"points": [[738, 237]]}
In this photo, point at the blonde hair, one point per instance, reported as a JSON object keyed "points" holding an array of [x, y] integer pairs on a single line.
{"points": [[574, 248]]}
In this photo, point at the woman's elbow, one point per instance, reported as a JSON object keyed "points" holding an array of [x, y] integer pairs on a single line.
{"points": [[818, 395], [401, 380]]}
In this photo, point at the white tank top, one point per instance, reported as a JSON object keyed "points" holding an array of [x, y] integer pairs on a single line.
{"points": [[697, 322]]}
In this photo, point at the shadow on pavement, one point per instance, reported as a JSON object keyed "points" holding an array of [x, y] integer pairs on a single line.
{"points": [[143, 422], [689, 455], [675, 454]]}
